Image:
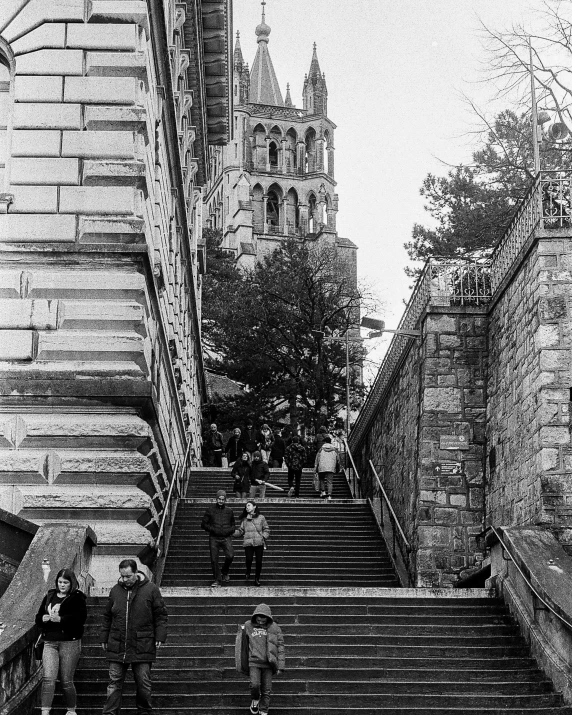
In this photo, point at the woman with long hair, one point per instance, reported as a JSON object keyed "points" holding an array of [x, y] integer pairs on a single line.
{"points": [[255, 532], [61, 618]]}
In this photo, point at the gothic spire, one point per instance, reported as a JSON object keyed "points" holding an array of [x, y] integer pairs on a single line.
{"points": [[238, 58], [264, 88], [288, 100], [314, 65]]}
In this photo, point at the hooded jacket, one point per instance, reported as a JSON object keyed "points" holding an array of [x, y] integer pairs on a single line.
{"points": [[275, 652], [73, 614], [255, 531], [327, 459], [133, 621]]}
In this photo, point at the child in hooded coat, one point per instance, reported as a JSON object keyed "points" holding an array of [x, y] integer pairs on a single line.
{"points": [[266, 656]]}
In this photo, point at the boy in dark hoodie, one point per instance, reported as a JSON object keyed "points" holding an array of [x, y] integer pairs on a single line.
{"points": [[266, 656]]}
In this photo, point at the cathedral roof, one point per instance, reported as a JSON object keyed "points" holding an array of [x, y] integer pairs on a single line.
{"points": [[264, 88]]}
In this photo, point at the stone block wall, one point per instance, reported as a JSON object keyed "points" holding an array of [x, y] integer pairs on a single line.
{"points": [[100, 359], [528, 428], [450, 506], [438, 390]]}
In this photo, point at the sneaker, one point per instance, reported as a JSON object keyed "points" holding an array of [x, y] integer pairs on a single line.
{"points": [[225, 577], [329, 498], [322, 494], [291, 492], [215, 584], [261, 712], [257, 583], [254, 707]]}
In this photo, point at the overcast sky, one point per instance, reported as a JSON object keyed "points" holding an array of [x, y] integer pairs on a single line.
{"points": [[396, 73]]}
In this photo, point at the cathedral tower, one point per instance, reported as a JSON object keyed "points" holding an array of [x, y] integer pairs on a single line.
{"points": [[275, 179]]}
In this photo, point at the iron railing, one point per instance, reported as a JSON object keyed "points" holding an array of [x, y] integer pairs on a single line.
{"points": [[441, 283], [547, 205], [176, 488]]}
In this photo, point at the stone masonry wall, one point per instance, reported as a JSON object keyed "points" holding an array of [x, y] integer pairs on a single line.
{"points": [[438, 390], [99, 339], [450, 505], [530, 458]]}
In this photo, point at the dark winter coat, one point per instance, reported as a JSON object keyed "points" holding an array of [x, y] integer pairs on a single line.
{"points": [[265, 440], [249, 440], [255, 531], [259, 470], [276, 653], [234, 448], [278, 448], [73, 614], [213, 441], [241, 476], [295, 456], [133, 621], [218, 521]]}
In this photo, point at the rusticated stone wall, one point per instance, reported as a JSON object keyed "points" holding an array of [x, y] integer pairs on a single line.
{"points": [[437, 392], [104, 138], [530, 458]]}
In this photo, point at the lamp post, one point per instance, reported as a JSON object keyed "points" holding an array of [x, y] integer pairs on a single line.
{"points": [[378, 326]]}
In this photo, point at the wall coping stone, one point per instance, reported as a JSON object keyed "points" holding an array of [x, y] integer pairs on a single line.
{"points": [[18, 522]]}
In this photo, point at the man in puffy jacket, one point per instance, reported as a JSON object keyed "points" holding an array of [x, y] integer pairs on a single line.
{"points": [[266, 656], [218, 521], [134, 626], [326, 465]]}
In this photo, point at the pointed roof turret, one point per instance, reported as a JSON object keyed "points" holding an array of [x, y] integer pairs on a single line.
{"points": [[314, 65], [288, 100], [264, 88], [238, 58]]}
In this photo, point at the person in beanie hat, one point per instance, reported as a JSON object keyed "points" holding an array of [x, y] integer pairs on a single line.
{"points": [[266, 656], [218, 521]]}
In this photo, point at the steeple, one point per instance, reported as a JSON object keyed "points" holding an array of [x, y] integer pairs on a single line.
{"points": [[288, 100], [238, 58], [264, 88], [315, 92]]}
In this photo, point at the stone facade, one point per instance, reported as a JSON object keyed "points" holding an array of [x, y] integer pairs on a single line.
{"points": [[275, 178], [105, 127]]}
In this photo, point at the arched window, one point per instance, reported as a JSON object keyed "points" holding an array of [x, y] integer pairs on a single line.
{"points": [[273, 154], [312, 209], [310, 151]]}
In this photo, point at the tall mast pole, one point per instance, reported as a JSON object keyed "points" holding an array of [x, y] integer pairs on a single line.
{"points": [[535, 145]]}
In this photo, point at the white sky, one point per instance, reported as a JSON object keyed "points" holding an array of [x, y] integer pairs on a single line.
{"points": [[396, 72]]}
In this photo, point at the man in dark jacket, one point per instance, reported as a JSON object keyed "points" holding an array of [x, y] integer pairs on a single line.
{"points": [[249, 440], [259, 474], [234, 447], [218, 520], [213, 446], [277, 451], [134, 626]]}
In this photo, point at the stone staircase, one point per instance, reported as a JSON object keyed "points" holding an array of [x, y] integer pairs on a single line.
{"points": [[355, 642]]}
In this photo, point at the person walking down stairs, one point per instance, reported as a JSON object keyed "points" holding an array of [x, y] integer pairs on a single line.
{"points": [[295, 458], [327, 464], [263, 657], [259, 473], [218, 521], [241, 477], [255, 532]]}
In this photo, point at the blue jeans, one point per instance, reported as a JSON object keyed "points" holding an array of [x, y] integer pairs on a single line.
{"points": [[261, 686], [142, 676], [60, 656], [326, 482]]}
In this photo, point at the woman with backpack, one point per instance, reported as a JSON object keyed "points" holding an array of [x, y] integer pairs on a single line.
{"points": [[61, 618], [255, 532], [295, 457]]}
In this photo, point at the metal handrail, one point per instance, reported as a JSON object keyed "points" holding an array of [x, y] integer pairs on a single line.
{"points": [[356, 473], [528, 582], [393, 514], [167, 508]]}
